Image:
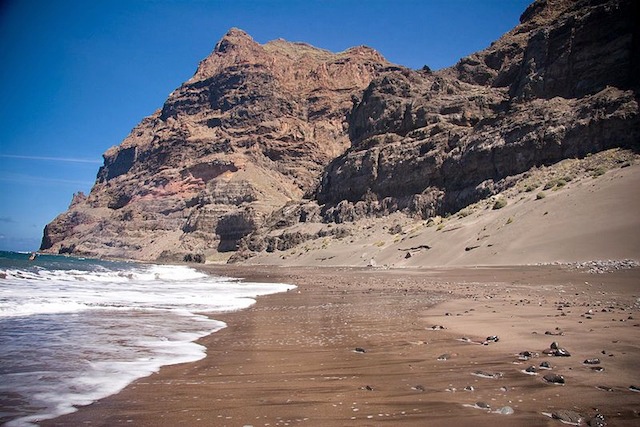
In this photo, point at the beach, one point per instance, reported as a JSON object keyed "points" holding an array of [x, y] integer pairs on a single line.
{"points": [[404, 347]]}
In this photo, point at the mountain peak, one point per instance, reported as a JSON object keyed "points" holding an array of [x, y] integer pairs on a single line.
{"points": [[233, 37]]}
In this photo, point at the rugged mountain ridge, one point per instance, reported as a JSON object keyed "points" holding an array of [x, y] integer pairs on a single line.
{"points": [[227, 160], [250, 131]]}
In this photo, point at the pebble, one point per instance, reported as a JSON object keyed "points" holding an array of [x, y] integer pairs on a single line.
{"points": [[554, 379], [545, 365], [418, 387], [437, 328], [360, 350], [634, 388], [597, 421], [604, 388], [561, 352], [483, 405], [526, 355], [493, 338], [445, 356], [594, 361], [568, 416], [506, 410], [485, 374]]}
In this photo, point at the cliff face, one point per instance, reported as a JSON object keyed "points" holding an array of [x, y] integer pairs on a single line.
{"points": [[562, 84], [250, 131], [228, 158]]}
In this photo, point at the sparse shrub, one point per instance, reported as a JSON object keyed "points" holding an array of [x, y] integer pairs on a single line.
{"points": [[440, 227], [597, 172], [380, 244], [499, 204], [395, 229], [530, 187], [555, 184], [465, 212], [540, 196], [509, 221]]}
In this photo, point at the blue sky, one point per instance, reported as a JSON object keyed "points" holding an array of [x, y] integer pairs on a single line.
{"points": [[78, 75]]}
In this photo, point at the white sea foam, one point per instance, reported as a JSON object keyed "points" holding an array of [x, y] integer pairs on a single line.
{"points": [[72, 335]]}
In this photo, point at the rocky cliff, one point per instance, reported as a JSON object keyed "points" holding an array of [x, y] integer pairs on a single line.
{"points": [[252, 130], [227, 160]]}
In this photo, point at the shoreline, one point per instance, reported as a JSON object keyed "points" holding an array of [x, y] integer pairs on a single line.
{"points": [[290, 358]]}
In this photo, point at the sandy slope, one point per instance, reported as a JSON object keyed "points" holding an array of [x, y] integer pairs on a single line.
{"points": [[589, 218]]}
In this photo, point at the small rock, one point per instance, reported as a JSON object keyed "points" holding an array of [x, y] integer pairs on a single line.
{"points": [[526, 355], [634, 388], [360, 350], [604, 388], [418, 387], [597, 368], [568, 416], [445, 356], [594, 361], [506, 410], [545, 365], [531, 369], [597, 421], [554, 345], [561, 352], [469, 388], [553, 379], [493, 338], [483, 405], [437, 327]]}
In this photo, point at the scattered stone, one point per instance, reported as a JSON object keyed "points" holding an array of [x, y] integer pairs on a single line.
{"points": [[594, 361], [567, 416], [484, 374], [531, 370], [504, 389], [360, 350], [604, 388], [597, 368], [493, 338], [545, 365], [445, 356], [561, 352], [506, 410], [438, 328], [634, 388], [553, 379], [597, 421], [469, 388], [367, 387], [483, 405], [526, 355], [554, 345], [418, 387]]}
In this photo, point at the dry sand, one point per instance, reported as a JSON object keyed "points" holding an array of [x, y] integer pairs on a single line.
{"points": [[291, 360]]}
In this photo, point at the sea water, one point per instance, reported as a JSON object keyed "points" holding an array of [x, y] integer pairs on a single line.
{"points": [[76, 330]]}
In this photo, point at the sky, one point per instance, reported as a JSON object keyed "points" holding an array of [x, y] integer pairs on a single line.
{"points": [[76, 76]]}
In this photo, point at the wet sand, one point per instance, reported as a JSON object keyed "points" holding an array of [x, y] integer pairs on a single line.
{"points": [[291, 359]]}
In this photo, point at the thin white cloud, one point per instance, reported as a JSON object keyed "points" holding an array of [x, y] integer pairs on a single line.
{"points": [[51, 159], [38, 180]]}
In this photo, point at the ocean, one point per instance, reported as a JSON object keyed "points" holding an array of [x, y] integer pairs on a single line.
{"points": [[75, 330]]}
